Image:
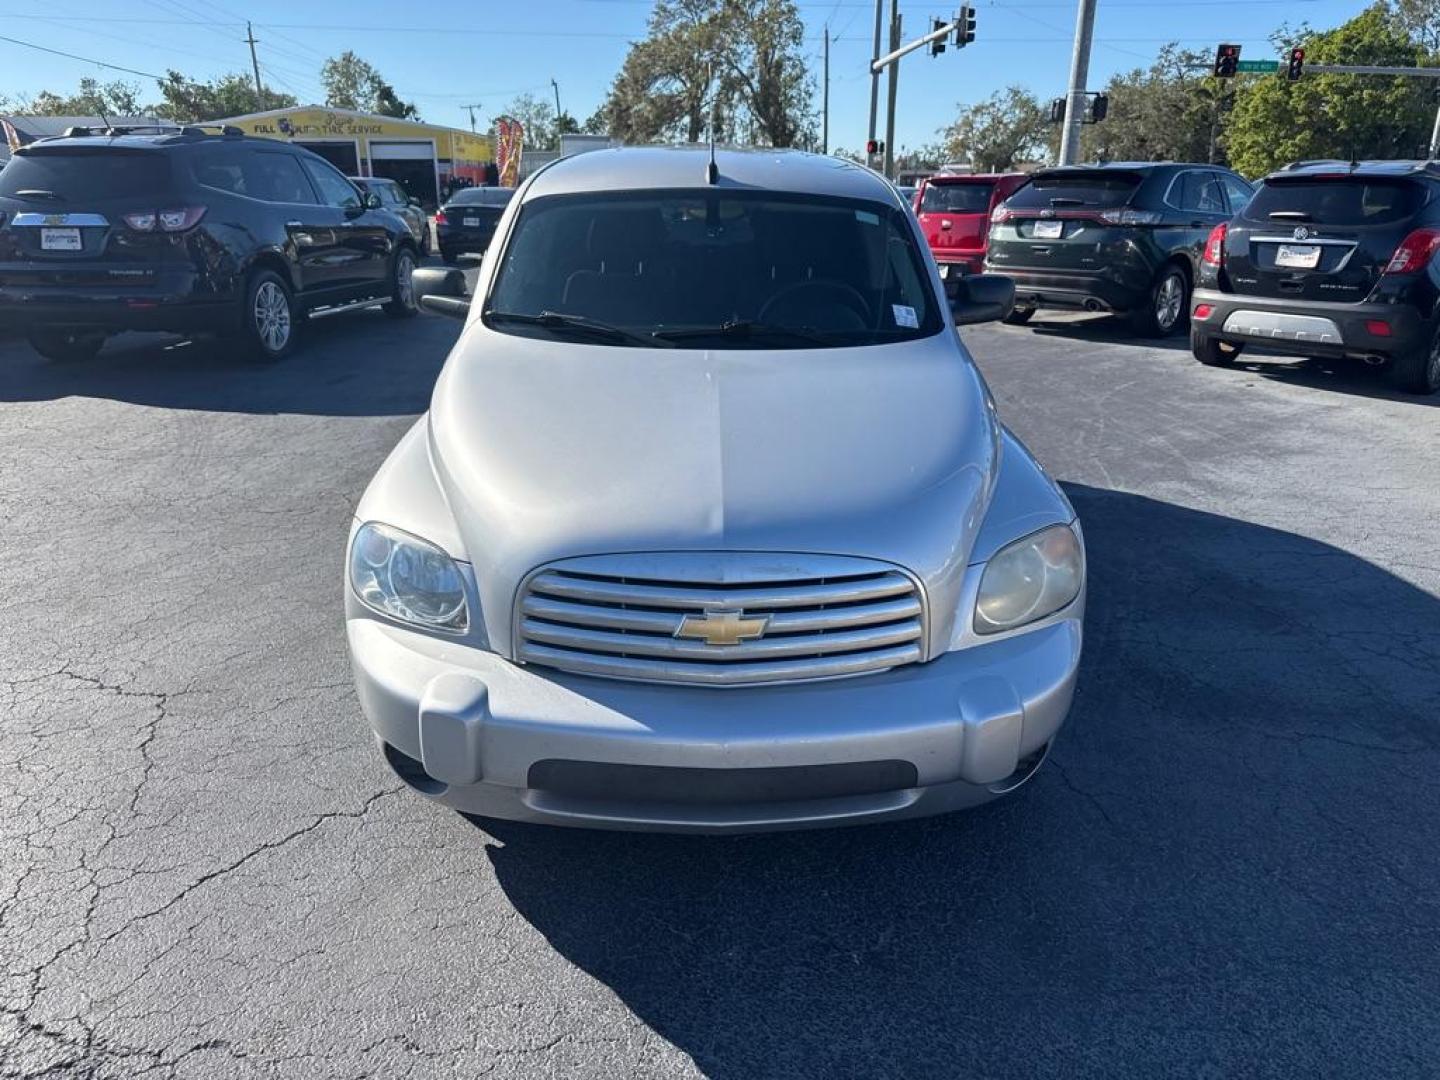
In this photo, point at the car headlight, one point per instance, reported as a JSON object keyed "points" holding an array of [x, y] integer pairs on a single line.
{"points": [[1029, 579], [408, 579]]}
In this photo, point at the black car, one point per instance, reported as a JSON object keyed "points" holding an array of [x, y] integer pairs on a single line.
{"points": [[466, 223], [188, 230], [1123, 238], [1330, 260]]}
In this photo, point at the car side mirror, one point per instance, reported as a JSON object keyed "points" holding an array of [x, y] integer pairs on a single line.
{"points": [[371, 201], [441, 289], [980, 298]]}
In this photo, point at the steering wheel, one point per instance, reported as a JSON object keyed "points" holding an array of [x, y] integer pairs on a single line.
{"points": [[849, 296]]}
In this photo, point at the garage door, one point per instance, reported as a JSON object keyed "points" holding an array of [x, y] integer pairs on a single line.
{"points": [[339, 154], [411, 165]]}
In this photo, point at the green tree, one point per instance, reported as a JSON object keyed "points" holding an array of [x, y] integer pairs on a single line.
{"points": [[1169, 111], [353, 83], [186, 101], [537, 117], [1420, 20], [93, 99], [734, 68], [1007, 128], [1319, 116]]}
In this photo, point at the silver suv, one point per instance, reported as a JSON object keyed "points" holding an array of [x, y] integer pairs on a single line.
{"points": [[712, 524]]}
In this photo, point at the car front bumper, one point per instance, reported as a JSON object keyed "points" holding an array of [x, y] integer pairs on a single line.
{"points": [[1308, 327], [493, 738]]}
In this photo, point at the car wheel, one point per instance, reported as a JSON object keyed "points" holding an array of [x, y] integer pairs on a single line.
{"points": [[268, 319], [1211, 351], [1169, 301], [1417, 371], [402, 288], [66, 345], [1019, 316]]}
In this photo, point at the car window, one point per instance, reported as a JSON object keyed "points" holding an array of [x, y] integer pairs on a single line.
{"points": [[1076, 187], [220, 167], [276, 176], [956, 198], [482, 196], [85, 173], [334, 189], [844, 271], [1197, 190], [395, 193], [1339, 200], [1238, 191]]}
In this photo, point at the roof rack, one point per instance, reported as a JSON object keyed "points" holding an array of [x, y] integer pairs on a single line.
{"points": [[225, 130]]}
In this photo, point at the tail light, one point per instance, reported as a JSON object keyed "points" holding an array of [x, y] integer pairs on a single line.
{"points": [[1414, 252], [440, 218], [1000, 215], [174, 220], [1215, 245]]}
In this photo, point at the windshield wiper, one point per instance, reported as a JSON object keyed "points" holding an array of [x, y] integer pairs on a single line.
{"points": [[557, 320], [36, 193], [744, 328]]}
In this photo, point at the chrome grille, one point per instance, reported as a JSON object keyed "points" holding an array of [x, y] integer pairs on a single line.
{"points": [[619, 617]]}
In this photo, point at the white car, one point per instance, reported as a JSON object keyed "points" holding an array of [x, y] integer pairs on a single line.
{"points": [[712, 524]]}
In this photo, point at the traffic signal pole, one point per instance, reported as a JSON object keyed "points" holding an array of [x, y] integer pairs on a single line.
{"points": [[1079, 73], [874, 79], [894, 90]]}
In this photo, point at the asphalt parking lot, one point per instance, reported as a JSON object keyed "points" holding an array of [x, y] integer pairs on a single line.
{"points": [[1228, 868]]}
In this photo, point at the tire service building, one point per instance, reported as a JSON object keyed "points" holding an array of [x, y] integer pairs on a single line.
{"points": [[421, 157]]}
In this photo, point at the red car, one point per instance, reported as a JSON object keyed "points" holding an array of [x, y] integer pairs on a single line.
{"points": [[954, 213]]}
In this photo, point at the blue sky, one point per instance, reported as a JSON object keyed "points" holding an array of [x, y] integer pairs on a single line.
{"points": [[447, 55]]}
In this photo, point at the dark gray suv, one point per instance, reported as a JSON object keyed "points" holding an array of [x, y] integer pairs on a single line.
{"points": [[1125, 238]]}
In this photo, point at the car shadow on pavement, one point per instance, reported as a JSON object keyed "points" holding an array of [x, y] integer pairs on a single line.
{"points": [[1101, 329], [1339, 376], [355, 364], [1227, 867]]}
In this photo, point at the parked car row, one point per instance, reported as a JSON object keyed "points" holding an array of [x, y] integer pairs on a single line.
{"points": [[1328, 259], [194, 230]]}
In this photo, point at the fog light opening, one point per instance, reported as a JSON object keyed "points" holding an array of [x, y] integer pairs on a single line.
{"points": [[413, 772], [1025, 768]]}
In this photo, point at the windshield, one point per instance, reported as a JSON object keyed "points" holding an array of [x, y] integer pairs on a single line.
{"points": [[956, 198], [87, 175], [716, 269], [1341, 201], [1061, 189]]}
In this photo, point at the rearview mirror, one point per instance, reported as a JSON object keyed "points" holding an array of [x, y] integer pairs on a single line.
{"points": [[441, 289], [980, 298]]}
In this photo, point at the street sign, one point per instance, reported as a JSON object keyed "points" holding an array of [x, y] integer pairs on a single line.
{"points": [[1257, 65]]}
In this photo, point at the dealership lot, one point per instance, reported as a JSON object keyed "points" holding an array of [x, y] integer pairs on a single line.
{"points": [[1227, 868]]}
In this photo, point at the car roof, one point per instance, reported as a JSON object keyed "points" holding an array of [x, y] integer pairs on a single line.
{"points": [[1339, 166], [666, 167], [970, 178], [146, 140]]}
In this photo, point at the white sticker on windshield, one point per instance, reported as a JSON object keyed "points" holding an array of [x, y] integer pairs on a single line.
{"points": [[904, 316], [867, 218]]}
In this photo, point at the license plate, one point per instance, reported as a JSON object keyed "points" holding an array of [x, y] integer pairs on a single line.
{"points": [[1048, 230], [472, 223], [60, 240], [1298, 256]]}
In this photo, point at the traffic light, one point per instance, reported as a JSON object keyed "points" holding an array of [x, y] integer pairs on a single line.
{"points": [[938, 45], [964, 26], [874, 146], [1057, 111], [1297, 64], [1227, 59], [1099, 108]]}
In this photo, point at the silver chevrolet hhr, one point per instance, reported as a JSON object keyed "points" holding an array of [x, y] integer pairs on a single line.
{"points": [[712, 524]]}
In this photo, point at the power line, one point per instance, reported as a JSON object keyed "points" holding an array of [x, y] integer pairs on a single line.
{"points": [[82, 59]]}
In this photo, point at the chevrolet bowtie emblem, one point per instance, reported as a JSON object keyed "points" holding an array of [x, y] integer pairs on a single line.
{"points": [[723, 626]]}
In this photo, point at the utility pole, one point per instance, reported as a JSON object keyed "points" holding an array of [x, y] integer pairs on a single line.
{"points": [[558, 111], [874, 77], [894, 86], [1079, 74], [825, 99], [471, 110], [255, 65]]}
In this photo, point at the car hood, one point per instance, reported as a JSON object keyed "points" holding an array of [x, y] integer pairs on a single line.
{"points": [[546, 450]]}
